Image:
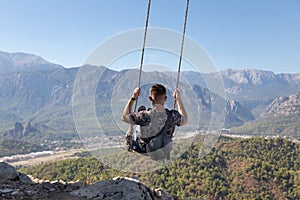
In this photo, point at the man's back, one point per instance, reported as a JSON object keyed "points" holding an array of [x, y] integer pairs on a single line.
{"points": [[153, 121]]}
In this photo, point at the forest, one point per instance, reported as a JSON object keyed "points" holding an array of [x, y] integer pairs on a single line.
{"points": [[255, 168]]}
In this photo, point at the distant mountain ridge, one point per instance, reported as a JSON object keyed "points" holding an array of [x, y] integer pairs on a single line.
{"points": [[36, 90], [251, 84], [20, 62], [45, 96]]}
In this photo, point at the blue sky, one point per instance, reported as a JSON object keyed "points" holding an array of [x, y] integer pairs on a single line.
{"points": [[236, 34]]}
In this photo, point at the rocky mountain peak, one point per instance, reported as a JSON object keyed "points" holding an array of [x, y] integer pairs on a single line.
{"points": [[284, 106], [232, 105], [203, 94], [235, 107], [19, 130], [18, 62], [236, 114], [18, 127], [248, 76]]}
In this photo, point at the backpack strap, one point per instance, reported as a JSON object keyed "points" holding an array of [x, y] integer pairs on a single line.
{"points": [[167, 122]]}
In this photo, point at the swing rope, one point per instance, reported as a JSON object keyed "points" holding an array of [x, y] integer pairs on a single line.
{"points": [[143, 50], [144, 45], [182, 44]]}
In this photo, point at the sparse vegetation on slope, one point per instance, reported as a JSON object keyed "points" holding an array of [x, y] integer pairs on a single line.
{"points": [[275, 125]]}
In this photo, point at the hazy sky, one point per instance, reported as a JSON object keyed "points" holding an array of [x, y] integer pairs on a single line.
{"points": [[237, 34]]}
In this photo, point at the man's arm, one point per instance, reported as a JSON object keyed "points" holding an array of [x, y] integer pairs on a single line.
{"points": [[127, 110], [181, 108]]}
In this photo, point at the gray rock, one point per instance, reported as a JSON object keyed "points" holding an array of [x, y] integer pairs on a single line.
{"points": [[48, 186], [163, 194], [73, 186], [122, 189], [25, 179], [6, 190], [17, 186], [31, 192], [8, 172], [17, 194]]}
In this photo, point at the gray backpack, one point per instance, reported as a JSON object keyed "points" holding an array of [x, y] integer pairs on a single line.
{"points": [[158, 147]]}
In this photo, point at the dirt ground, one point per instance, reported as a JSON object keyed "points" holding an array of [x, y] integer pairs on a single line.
{"points": [[38, 160]]}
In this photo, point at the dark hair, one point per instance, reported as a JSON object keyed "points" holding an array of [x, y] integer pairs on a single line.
{"points": [[158, 90], [141, 108]]}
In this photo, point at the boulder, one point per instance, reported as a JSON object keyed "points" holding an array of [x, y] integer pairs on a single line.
{"points": [[121, 188], [8, 172], [24, 178]]}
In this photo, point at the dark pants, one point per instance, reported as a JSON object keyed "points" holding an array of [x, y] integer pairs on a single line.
{"points": [[138, 147]]}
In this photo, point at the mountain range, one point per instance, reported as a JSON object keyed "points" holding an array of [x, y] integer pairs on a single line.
{"points": [[251, 84], [20, 62], [36, 91]]}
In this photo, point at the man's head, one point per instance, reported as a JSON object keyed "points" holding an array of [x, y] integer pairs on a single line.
{"points": [[158, 94], [141, 108]]}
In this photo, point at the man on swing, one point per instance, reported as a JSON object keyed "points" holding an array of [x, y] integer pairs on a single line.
{"points": [[155, 123]]}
